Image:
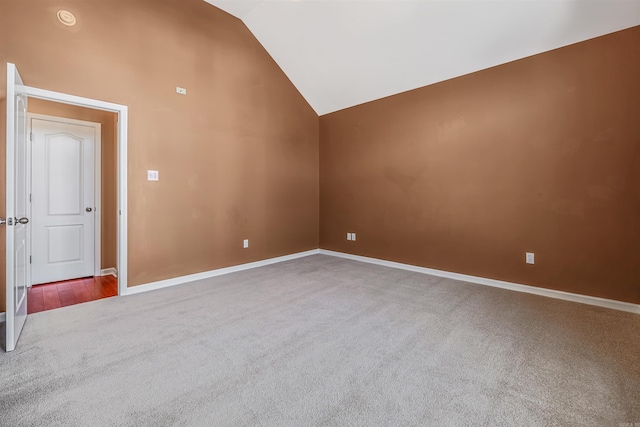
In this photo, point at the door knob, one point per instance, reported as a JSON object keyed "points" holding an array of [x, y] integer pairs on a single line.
{"points": [[88, 209], [3, 221], [23, 220]]}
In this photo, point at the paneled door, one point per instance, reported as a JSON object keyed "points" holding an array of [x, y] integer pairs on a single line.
{"points": [[63, 200], [17, 261]]}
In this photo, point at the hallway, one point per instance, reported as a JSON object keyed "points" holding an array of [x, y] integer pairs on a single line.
{"points": [[54, 295]]}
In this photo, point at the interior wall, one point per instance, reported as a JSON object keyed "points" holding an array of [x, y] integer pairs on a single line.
{"points": [[539, 155], [109, 169], [237, 156]]}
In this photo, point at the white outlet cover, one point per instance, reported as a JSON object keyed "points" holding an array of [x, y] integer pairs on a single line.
{"points": [[153, 176], [181, 90], [530, 258], [246, 243]]}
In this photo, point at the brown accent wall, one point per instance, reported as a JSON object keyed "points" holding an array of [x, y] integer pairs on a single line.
{"points": [[538, 155], [238, 156], [109, 168]]}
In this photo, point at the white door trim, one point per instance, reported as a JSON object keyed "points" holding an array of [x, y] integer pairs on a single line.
{"points": [[97, 204], [123, 123]]}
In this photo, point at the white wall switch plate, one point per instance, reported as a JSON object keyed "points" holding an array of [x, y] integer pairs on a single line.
{"points": [[530, 258], [152, 176], [181, 90], [348, 236], [353, 236], [246, 243]]}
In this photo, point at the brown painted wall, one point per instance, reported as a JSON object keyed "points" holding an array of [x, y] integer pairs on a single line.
{"points": [[238, 156], [540, 155], [109, 168]]}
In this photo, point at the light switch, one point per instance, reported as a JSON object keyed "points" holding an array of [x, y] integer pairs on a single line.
{"points": [[530, 258], [152, 175], [246, 243]]}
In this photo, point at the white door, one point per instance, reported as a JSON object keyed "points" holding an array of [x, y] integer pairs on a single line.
{"points": [[63, 200], [17, 258]]}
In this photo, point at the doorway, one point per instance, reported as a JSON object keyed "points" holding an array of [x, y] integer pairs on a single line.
{"points": [[73, 205], [17, 263]]}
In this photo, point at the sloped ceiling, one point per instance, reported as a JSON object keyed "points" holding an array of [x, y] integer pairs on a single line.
{"points": [[340, 53]]}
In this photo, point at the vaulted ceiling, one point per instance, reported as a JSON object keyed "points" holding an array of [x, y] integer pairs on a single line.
{"points": [[340, 53]]}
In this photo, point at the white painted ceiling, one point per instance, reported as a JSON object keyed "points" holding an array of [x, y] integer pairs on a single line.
{"points": [[340, 53]]}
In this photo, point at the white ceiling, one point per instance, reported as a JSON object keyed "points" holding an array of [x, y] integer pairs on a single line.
{"points": [[340, 53]]}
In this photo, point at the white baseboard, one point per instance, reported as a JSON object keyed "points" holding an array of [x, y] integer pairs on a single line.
{"points": [[584, 299], [213, 273], [2, 317], [109, 271]]}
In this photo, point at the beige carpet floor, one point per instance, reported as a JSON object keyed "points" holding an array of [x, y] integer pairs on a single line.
{"points": [[324, 341]]}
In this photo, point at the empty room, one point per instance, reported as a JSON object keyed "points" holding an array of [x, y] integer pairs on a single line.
{"points": [[320, 212]]}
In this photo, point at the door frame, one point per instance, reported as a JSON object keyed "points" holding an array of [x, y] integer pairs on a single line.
{"points": [[122, 142], [97, 179]]}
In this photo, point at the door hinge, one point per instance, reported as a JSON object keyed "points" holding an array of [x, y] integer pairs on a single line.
{"points": [[29, 197], [31, 136], [29, 259]]}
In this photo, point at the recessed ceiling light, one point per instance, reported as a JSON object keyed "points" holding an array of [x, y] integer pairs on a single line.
{"points": [[66, 18]]}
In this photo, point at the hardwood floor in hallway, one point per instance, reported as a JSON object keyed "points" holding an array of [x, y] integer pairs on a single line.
{"points": [[54, 295]]}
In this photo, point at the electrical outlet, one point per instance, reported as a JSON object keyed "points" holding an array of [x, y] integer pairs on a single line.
{"points": [[245, 243], [181, 90], [530, 258], [153, 176]]}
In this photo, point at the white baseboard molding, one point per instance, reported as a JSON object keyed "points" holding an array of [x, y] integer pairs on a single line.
{"points": [[584, 299], [2, 317], [213, 273], [109, 271]]}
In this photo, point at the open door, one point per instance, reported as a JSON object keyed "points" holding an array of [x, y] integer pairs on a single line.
{"points": [[16, 208]]}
